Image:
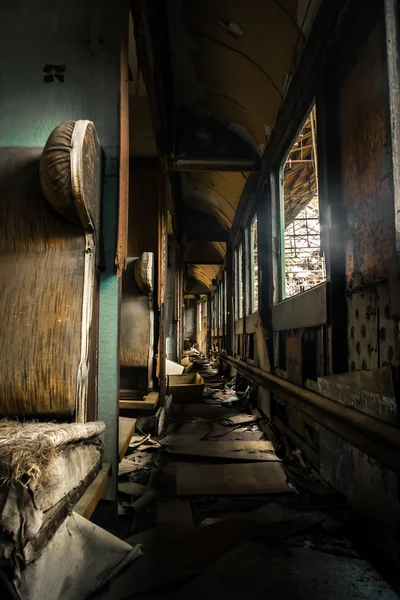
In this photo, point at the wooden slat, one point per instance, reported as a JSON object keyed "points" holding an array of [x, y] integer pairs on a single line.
{"points": [[184, 413], [93, 494], [126, 429], [41, 276], [231, 479], [149, 402], [260, 450]]}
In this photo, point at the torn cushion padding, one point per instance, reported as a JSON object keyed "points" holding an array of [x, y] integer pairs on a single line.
{"points": [[70, 173], [143, 273], [28, 449], [50, 460]]}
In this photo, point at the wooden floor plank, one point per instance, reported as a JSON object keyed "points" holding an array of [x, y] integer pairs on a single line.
{"points": [[149, 402], [260, 450], [231, 479], [175, 511], [126, 430], [185, 413]]}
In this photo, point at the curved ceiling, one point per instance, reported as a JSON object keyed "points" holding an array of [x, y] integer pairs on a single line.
{"points": [[215, 193], [231, 62], [205, 251], [203, 273]]}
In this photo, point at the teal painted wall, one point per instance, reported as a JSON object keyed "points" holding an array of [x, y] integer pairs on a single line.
{"points": [[83, 35]]}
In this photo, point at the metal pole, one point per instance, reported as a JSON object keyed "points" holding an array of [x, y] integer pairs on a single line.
{"points": [[374, 437]]}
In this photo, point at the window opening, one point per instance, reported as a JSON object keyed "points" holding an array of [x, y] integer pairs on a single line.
{"points": [[236, 287], [200, 314], [254, 264], [240, 281], [225, 301], [303, 263]]}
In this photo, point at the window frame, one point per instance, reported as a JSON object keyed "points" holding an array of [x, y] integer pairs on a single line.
{"points": [[278, 217]]}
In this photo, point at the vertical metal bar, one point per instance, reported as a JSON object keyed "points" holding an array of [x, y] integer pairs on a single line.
{"points": [[87, 310], [229, 297], [122, 240], [280, 189], [392, 50], [162, 280]]}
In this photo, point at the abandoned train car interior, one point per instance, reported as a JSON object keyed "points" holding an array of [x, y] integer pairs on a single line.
{"points": [[200, 299]]}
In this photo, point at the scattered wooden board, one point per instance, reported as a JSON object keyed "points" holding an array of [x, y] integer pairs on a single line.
{"points": [[260, 450], [90, 499], [125, 432], [191, 411], [186, 433], [149, 402], [241, 419], [228, 479], [175, 511]]}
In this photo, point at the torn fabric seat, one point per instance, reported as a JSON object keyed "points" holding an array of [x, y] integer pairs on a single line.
{"points": [[83, 557], [44, 469]]}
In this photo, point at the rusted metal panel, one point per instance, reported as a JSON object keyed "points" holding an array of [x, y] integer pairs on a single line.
{"points": [[363, 331], [370, 392], [368, 196], [365, 165], [392, 49], [294, 359], [41, 279], [301, 311], [371, 330]]}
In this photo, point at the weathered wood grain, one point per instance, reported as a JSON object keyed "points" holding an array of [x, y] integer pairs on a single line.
{"points": [[41, 287], [135, 332]]}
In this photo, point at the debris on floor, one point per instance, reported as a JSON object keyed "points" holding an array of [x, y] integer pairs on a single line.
{"points": [[219, 514]]}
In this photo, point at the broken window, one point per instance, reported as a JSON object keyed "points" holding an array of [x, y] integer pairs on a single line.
{"points": [[254, 265], [239, 282], [200, 316], [221, 303], [302, 260], [225, 309]]}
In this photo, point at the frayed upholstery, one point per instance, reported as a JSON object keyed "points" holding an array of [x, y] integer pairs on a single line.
{"points": [[27, 448]]}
